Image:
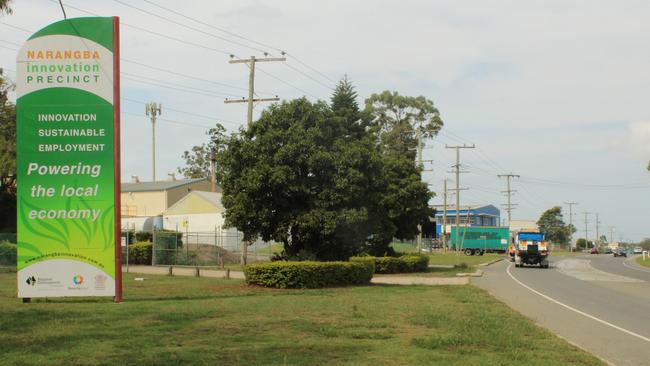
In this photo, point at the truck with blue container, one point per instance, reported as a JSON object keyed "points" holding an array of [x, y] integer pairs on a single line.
{"points": [[529, 247], [478, 240]]}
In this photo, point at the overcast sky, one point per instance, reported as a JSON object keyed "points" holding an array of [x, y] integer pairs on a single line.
{"points": [[555, 91]]}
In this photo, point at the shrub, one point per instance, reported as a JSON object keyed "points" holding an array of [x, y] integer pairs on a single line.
{"points": [[309, 274], [402, 264], [7, 253], [143, 236], [140, 253]]}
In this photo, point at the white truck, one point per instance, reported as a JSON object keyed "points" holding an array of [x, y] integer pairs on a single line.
{"points": [[529, 247]]}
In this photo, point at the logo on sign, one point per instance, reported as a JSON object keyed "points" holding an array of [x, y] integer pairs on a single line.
{"points": [[78, 279], [31, 280]]}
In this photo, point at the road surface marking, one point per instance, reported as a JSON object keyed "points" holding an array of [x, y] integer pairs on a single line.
{"points": [[576, 310], [583, 270], [632, 267]]}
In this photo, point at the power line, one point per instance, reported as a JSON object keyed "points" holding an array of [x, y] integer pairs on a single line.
{"points": [[189, 27], [186, 75], [169, 84], [309, 77], [9, 48], [509, 192], [193, 44], [153, 32], [282, 52], [212, 26], [212, 118], [171, 121]]}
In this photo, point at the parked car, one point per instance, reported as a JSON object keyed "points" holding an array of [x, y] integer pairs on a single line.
{"points": [[608, 251], [594, 251], [620, 253], [638, 250]]}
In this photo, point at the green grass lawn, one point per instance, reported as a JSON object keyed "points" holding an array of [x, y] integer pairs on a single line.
{"points": [[645, 263], [194, 321], [404, 247], [433, 272], [451, 258]]}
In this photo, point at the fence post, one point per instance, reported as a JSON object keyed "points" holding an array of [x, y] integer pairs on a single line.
{"points": [[196, 272], [153, 247], [227, 273]]}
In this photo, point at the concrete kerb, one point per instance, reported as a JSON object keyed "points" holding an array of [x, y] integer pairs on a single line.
{"points": [[478, 273], [491, 262], [185, 271], [227, 273]]}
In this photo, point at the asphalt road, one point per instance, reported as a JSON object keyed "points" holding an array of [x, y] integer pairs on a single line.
{"points": [[597, 302]]}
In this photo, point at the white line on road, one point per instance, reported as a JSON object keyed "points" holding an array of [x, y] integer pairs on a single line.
{"points": [[576, 310], [632, 267]]}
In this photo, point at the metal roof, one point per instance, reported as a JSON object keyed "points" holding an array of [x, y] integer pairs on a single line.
{"points": [[164, 185]]}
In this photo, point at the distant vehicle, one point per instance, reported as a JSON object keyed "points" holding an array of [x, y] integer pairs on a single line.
{"points": [[531, 248], [620, 253], [608, 250], [594, 251], [638, 250]]}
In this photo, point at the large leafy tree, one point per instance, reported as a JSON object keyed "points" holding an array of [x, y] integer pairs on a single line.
{"points": [[7, 157], [198, 159], [397, 119], [310, 176], [552, 224]]}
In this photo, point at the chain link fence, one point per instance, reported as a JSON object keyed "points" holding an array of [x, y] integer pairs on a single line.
{"points": [[206, 249]]}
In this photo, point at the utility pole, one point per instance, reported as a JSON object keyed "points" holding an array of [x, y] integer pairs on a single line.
{"points": [[586, 230], [611, 235], [153, 110], [458, 189], [213, 169], [509, 192], [444, 217], [251, 84], [597, 241], [251, 99], [570, 223]]}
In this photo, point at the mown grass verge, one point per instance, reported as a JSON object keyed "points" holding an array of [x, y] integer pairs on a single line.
{"points": [[645, 263], [202, 321]]}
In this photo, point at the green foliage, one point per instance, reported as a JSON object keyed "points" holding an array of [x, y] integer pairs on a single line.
{"points": [[198, 160], [645, 244], [396, 119], [7, 154], [407, 263], [140, 253], [582, 244], [309, 274], [312, 177], [144, 236], [552, 224], [8, 254]]}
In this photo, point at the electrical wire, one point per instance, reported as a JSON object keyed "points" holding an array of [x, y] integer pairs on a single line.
{"points": [[188, 26], [171, 85], [293, 57], [212, 118]]}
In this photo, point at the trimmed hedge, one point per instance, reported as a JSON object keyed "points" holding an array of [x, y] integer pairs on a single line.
{"points": [[404, 264], [140, 253], [309, 274]]}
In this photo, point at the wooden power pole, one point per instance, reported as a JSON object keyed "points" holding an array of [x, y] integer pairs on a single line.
{"points": [[251, 99]]}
